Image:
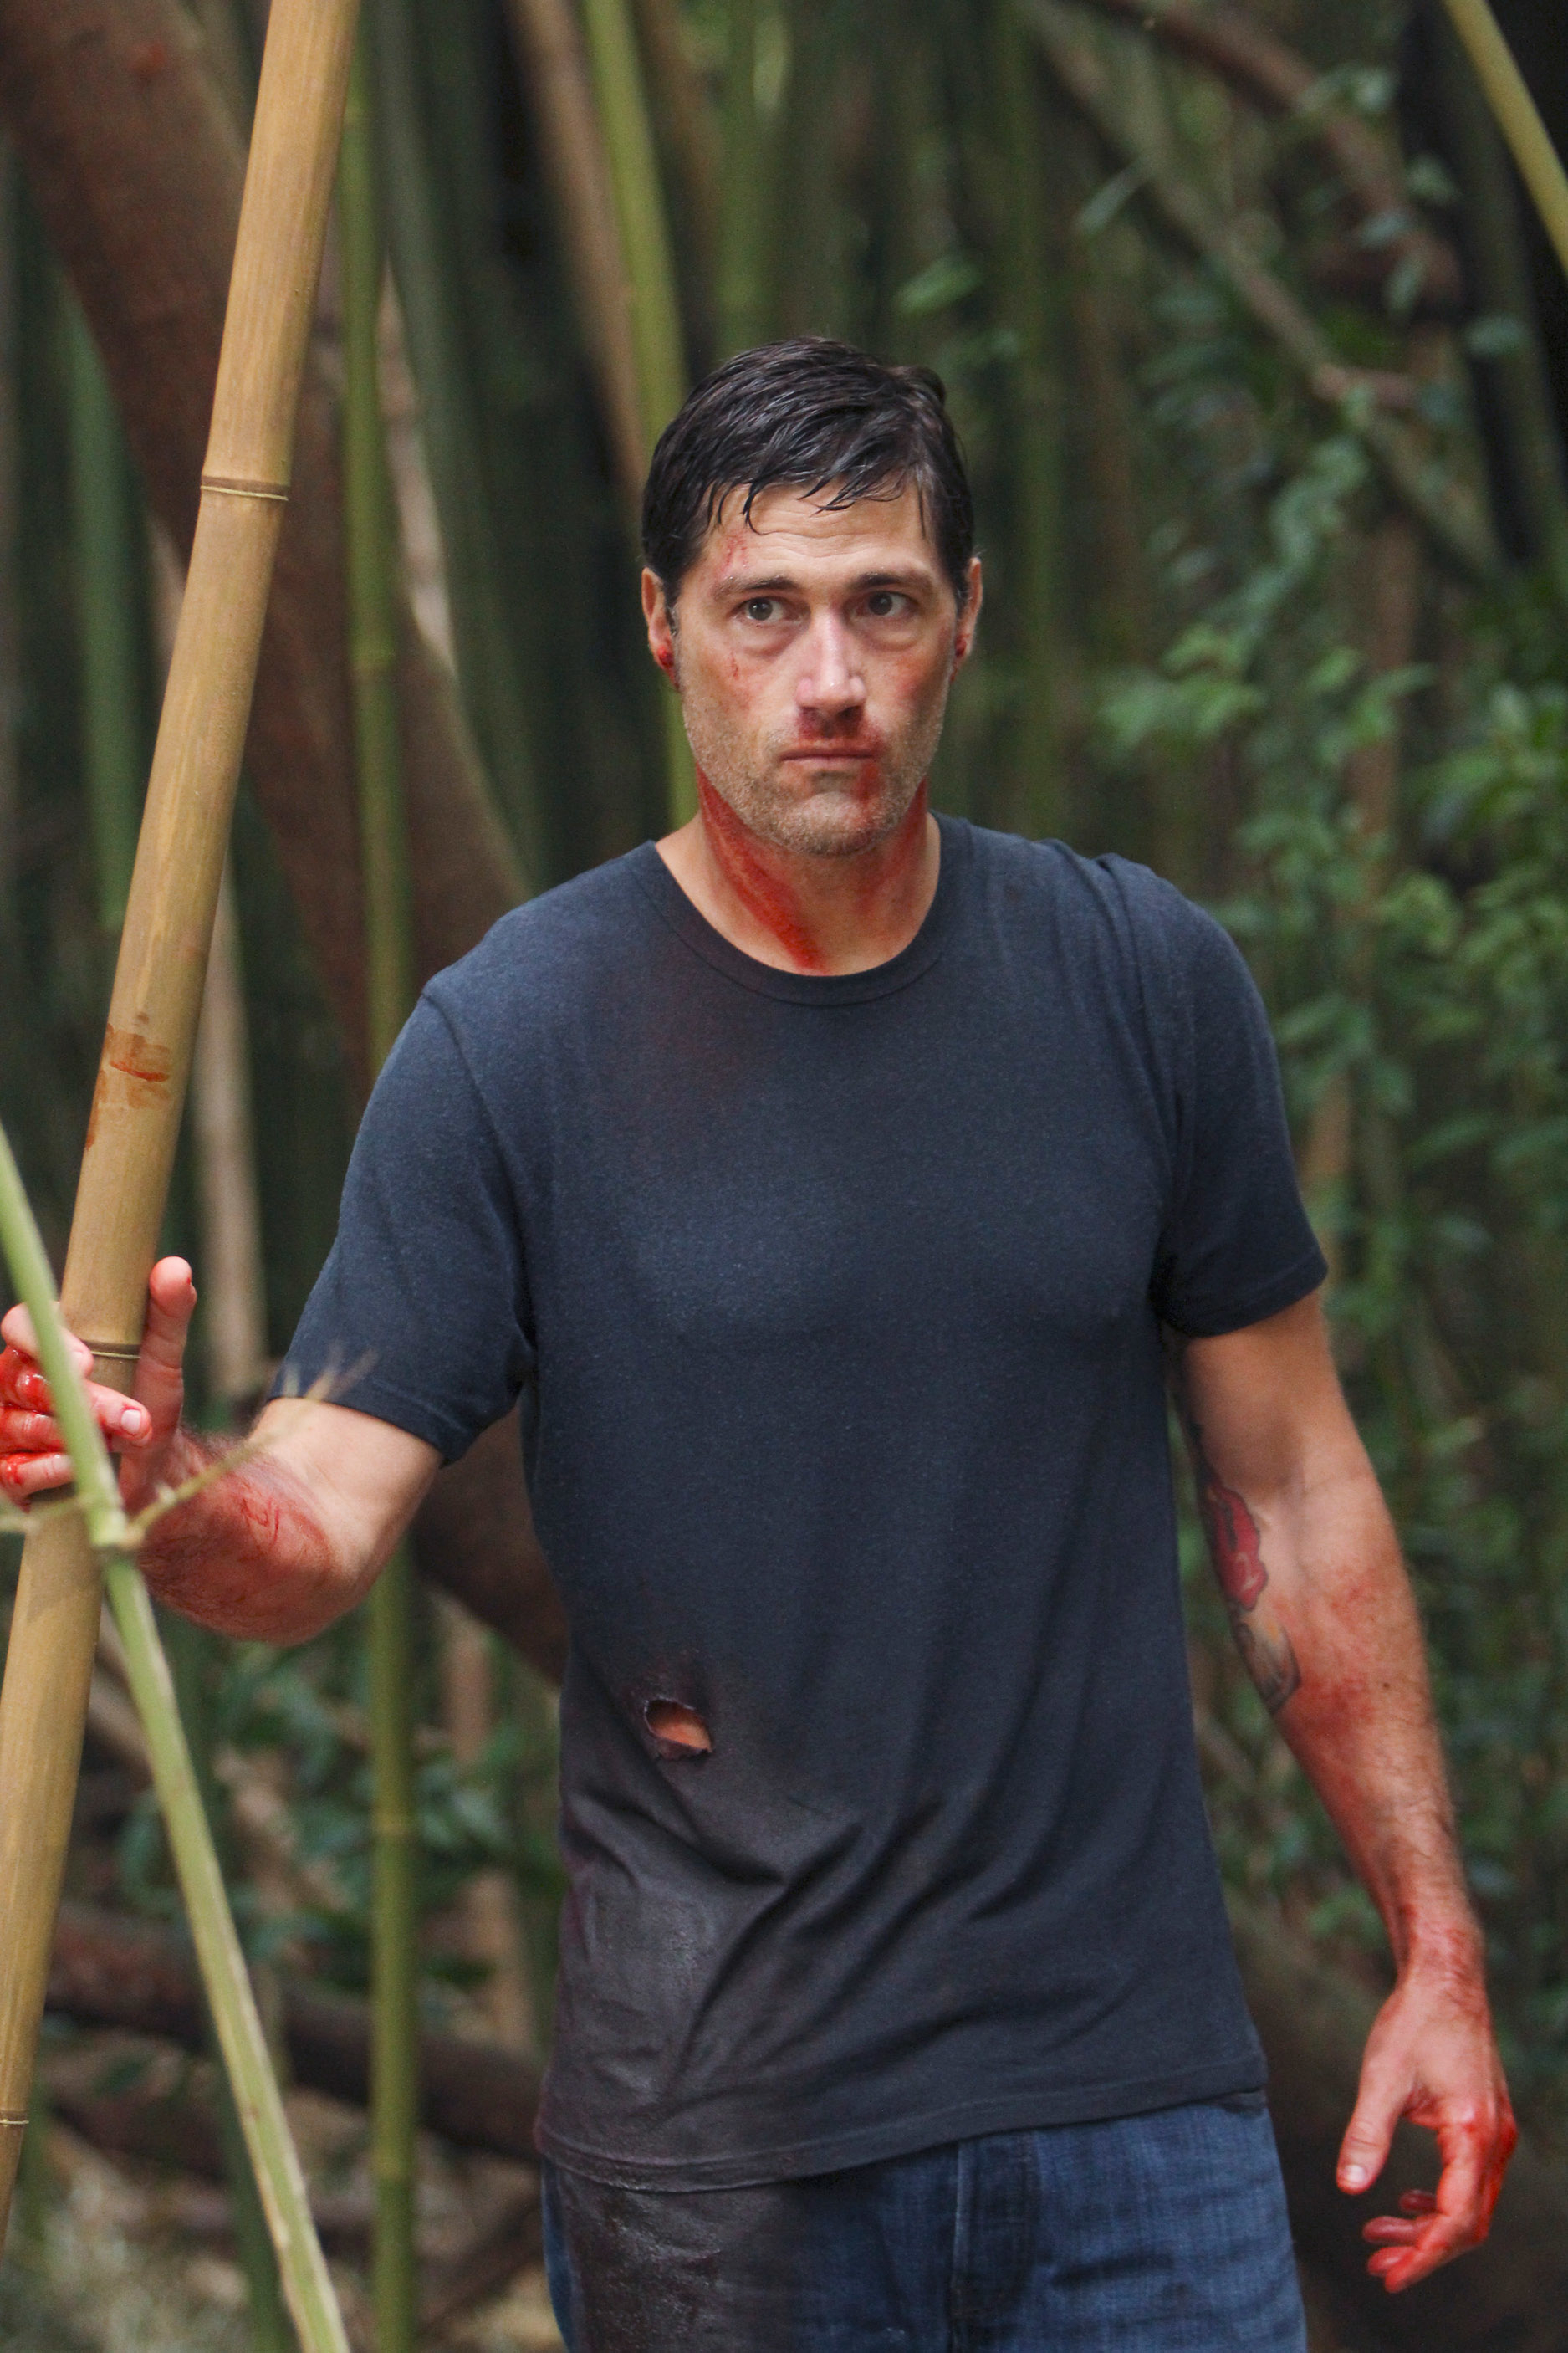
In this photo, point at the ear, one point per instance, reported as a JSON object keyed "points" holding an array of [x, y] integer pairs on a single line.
{"points": [[661, 626], [969, 615]]}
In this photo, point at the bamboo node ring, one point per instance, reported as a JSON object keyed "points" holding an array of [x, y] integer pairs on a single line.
{"points": [[113, 1355], [234, 486], [12, 2119]]}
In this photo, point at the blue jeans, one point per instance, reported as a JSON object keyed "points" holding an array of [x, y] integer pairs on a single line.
{"points": [[1160, 2233]]}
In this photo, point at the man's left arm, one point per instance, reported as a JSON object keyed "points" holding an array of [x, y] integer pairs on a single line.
{"points": [[1321, 1608]]}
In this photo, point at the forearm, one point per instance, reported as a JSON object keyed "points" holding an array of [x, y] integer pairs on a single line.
{"points": [[1324, 1615], [1359, 1716], [1321, 1609], [248, 1554]]}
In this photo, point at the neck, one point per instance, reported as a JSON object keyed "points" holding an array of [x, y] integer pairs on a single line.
{"points": [[802, 912]]}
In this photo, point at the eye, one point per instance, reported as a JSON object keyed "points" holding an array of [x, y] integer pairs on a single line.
{"points": [[762, 609], [888, 604]]}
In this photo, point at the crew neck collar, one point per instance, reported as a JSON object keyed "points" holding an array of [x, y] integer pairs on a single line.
{"points": [[810, 987]]}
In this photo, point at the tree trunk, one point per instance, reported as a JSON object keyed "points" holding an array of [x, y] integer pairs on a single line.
{"points": [[136, 166]]}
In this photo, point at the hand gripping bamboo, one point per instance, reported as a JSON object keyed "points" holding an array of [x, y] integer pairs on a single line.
{"points": [[156, 1000]]}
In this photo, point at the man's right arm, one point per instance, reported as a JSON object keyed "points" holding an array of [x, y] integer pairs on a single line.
{"points": [[277, 1546]]}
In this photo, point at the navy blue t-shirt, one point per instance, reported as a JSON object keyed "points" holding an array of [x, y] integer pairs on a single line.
{"points": [[835, 1305]]}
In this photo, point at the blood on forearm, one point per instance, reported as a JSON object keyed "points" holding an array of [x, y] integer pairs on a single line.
{"points": [[247, 1555]]}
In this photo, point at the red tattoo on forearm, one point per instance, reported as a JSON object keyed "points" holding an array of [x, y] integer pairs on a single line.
{"points": [[1233, 1539], [1235, 1545]]}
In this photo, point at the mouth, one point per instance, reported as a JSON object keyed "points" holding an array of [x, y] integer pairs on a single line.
{"points": [[830, 755]]}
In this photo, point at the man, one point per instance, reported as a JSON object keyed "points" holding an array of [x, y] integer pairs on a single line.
{"points": [[827, 1180]]}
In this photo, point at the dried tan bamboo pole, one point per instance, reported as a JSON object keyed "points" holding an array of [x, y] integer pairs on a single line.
{"points": [[158, 982], [1519, 117]]}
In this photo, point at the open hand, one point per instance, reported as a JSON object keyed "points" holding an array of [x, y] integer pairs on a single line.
{"points": [[141, 1428], [1431, 2057]]}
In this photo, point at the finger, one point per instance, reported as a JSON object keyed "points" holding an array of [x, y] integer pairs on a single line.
{"points": [[119, 1417], [33, 1474], [1364, 2149], [1389, 2231], [22, 1433], [18, 1329], [20, 1378], [1455, 2221], [170, 1303], [23, 1430], [1418, 2202], [21, 1384]]}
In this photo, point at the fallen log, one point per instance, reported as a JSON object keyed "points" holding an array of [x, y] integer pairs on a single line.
{"points": [[1511, 2296], [178, 2132], [112, 1971]]}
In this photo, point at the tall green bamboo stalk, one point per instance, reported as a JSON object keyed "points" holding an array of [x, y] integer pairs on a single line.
{"points": [[687, 140], [662, 376], [428, 278], [1026, 273], [370, 534], [108, 593], [742, 215], [114, 1540], [805, 262], [190, 1652]]}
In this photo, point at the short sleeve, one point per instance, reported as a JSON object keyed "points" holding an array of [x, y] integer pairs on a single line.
{"points": [[420, 1315], [1237, 1245]]}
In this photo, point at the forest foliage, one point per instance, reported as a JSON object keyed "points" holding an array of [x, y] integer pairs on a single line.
{"points": [[1232, 629]]}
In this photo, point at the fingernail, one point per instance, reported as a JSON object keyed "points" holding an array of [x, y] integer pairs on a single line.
{"points": [[1353, 2177], [133, 1417]]}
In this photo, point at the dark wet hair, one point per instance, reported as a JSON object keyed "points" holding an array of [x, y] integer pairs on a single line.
{"points": [[809, 416]]}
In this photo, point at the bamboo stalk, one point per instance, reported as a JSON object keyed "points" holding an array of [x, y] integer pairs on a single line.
{"points": [[489, 1900], [369, 530], [233, 1284], [686, 136], [1030, 300], [235, 1346], [746, 183], [657, 333], [640, 204], [1501, 269], [1540, 166], [142, 1078], [106, 589], [556, 73], [190, 1650], [1450, 520], [427, 264], [98, 1515]]}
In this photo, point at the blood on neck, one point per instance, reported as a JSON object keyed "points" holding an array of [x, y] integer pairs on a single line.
{"points": [[760, 880]]}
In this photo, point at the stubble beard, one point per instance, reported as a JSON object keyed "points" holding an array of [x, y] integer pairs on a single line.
{"points": [[841, 817]]}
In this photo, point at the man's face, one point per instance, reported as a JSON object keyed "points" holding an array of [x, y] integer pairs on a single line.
{"points": [[814, 648]]}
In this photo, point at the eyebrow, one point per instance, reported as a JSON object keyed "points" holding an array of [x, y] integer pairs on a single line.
{"points": [[775, 582]]}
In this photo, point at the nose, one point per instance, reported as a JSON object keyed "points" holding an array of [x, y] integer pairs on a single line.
{"points": [[830, 683]]}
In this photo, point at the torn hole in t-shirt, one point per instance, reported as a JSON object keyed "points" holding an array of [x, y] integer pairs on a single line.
{"points": [[678, 1732]]}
